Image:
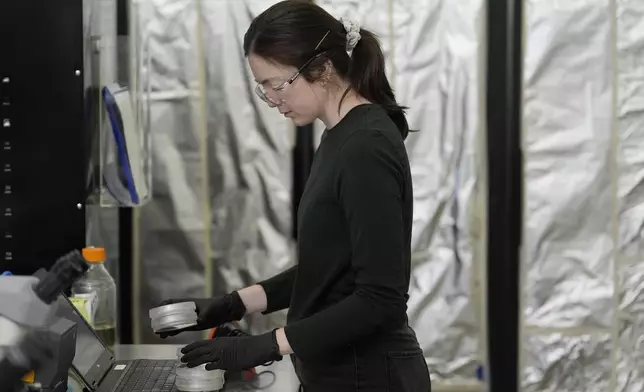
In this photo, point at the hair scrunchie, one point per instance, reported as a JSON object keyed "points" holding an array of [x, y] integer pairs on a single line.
{"points": [[352, 28]]}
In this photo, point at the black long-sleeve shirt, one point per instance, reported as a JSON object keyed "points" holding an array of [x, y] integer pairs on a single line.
{"points": [[354, 238]]}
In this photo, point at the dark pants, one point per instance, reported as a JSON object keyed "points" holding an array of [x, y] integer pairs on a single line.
{"points": [[389, 361]]}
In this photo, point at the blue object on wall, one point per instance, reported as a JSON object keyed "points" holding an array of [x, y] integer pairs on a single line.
{"points": [[480, 374]]}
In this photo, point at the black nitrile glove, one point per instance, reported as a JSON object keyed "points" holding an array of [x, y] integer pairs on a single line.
{"points": [[212, 312], [232, 353]]}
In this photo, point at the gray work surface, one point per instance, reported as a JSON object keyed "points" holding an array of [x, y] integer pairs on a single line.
{"points": [[282, 379]]}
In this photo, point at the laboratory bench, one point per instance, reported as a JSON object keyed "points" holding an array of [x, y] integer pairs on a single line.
{"points": [[278, 377]]}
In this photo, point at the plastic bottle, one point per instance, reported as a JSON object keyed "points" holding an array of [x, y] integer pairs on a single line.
{"points": [[95, 296]]}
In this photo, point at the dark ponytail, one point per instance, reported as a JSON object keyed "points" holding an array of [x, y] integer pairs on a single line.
{"points": [[368, 76], [292, 32]]}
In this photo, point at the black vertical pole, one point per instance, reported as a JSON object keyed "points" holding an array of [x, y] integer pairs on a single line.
{"points": [[122, 21], [125, 298], [505, 178], [302, 159], [126, 335]]}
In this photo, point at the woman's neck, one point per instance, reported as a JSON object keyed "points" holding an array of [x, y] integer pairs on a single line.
{"points": [[330, 114]]}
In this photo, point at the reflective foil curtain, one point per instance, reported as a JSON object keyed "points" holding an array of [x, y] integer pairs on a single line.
{"points": [[584, 168], [220, 218], [437, 45], [221, 210]]}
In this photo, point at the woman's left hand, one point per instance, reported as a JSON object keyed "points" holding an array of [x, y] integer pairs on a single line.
{"points": [[232, 353]]}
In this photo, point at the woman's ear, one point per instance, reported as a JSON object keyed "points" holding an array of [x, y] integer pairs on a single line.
{"points": [[326, 73]]}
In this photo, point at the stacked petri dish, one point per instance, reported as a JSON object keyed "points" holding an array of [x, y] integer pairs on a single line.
{"points": [[198, 379], [174, 316]]}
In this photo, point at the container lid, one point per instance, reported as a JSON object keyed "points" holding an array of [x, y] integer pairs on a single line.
{"points": [[187, 308], [190, 385], [158, 328], [198, 379], [94, 255]]}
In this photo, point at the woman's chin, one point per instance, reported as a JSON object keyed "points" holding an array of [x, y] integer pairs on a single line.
{"points": [[301, 121]]}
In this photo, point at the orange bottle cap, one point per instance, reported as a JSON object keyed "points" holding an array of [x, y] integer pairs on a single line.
{"points": [[29, 378], [94, 255]]}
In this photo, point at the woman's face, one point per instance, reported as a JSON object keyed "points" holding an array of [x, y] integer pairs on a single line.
{"points": [[300, 101]]}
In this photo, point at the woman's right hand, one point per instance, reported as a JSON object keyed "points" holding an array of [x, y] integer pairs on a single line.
{"points": [[212, 312]]}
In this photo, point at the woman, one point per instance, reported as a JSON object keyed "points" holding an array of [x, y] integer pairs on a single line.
{"points": [[347, 326]]}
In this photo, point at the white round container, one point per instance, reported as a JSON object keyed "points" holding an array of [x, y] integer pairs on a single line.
{"points": [[173, 316], [198, 379]]}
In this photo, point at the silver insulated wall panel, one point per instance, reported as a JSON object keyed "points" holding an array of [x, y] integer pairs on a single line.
{"points": [[437, 48], [221, 215], [628, 360], [583, 140]]}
